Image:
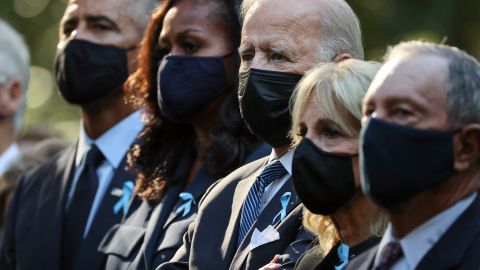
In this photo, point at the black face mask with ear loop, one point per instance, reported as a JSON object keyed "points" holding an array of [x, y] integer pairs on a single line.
{"points": [[188, 83], [323, 181], [264, 98], [398, 162], [86, 71]]}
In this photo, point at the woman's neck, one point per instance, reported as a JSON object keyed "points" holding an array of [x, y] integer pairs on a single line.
{"points": [[353, 221]]}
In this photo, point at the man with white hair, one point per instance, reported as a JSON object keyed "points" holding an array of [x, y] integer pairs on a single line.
{"points": [[14, 77], [251, 215], [62, 209], [420, 159]]}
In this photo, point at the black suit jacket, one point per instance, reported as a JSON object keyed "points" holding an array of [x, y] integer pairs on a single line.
{"points": [[33, 230], [211, 241], [152, 233], [458, 248]]}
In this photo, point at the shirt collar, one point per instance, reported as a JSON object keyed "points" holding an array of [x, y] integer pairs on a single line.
{"points": [[8, 157], [115, 142], [419, 241], [286, 159]]}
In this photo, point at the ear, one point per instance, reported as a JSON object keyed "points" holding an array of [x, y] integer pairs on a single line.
{"points": [[341, 57], [10, 97], [467, 147]]}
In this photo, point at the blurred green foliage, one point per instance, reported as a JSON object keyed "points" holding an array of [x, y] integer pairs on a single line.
{"points": [[384, 23]]}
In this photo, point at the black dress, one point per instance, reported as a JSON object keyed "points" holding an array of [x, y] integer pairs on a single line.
{"points": [[313, 259]]}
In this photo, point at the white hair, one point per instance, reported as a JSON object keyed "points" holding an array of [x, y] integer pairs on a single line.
{"points": [[341, 32], [462, 82], [14, 64]]}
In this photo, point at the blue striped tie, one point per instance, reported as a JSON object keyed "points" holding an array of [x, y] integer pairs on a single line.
{"points": [[251, 206]]}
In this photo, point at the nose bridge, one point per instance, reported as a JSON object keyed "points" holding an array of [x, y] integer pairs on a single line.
{"points": [[81, 32], [259, 61]]}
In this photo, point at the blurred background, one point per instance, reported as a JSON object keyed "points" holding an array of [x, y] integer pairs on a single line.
{"points": [[384, 23]]}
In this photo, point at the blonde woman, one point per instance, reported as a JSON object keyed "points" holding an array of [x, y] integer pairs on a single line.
{"points": [[326, 112]]}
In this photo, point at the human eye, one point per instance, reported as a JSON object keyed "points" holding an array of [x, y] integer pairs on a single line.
{"points": [[401, 112], [302, 131], [101, 27], [190, 47], [331, 132], [68, 28], [278, 57], [246, 57]]}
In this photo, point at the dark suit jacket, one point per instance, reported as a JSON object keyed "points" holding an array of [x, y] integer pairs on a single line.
{"points": [[33, 230], [152, 234], [458, 248], [211, 241]]}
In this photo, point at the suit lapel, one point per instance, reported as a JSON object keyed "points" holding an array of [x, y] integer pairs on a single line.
{"points": [[104, 219], [231, 233], [265, 219], [54, 198], [197, 188], [459, 236], [156, 221]]}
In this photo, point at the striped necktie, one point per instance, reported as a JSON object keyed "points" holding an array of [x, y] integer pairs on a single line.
{"points": [[251, 206], [391, 253]]}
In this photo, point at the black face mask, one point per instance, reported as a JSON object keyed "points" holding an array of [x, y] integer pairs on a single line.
{"points": [[399, 162], [323, 181], [187, 83], [264, 98], [86, 71]]}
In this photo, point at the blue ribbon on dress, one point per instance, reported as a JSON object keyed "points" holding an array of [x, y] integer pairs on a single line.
{"points": [[342, 251], [284, 200], [125, 199], [187, 205]]}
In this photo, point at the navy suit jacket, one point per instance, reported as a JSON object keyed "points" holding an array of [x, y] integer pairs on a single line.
{"points": [[458, 248], [152, 233], [33, 231], [211, 240]]}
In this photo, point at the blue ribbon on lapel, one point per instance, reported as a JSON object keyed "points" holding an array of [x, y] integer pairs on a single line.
{"points": [[342, 251], [187, 205], [284, 200], [125, 199]]}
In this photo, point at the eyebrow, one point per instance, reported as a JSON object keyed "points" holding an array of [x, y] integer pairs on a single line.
{"points": [[100, 19]]}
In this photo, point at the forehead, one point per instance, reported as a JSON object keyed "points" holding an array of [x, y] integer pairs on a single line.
{"points": [[115, 10], [277, 21], [188, 14], [411, 76]]}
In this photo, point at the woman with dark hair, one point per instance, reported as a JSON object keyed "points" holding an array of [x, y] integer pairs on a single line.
{"points": [[186, 80]]}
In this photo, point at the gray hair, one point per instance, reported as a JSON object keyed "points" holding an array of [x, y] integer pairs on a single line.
{"points": [[341, 30], [462, 81], [14, 63], [141, 10]]}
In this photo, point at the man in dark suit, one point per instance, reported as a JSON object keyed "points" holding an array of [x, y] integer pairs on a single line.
{"points": [[251, 215], [62, 209], [420, 158]]}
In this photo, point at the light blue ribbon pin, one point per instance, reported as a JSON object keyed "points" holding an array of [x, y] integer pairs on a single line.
{"points": [[342, 251], [125, 199], [283, 212], [187, 205]]}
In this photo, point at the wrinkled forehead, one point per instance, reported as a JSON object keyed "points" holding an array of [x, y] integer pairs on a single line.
{"points": [[412, 75], [114, 10], [281, 22]]}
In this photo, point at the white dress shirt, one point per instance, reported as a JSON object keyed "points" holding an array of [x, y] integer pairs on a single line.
{"points": [[9, 157], [113, 144], [273, 188], [419, 241]]}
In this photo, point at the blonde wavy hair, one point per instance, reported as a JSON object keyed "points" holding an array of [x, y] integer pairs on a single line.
{"points": [[338, 88]]}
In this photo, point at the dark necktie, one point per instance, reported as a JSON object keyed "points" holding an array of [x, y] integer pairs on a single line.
{"points": [[80, 205], [391, 253], [251, 206]]}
